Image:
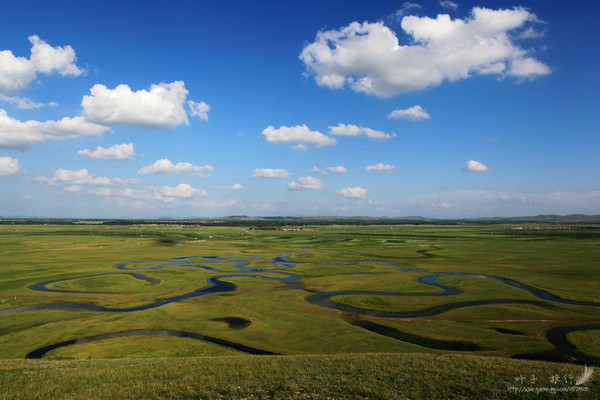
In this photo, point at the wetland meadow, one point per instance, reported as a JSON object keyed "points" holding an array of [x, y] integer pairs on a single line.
{"points": [[308, 311]]}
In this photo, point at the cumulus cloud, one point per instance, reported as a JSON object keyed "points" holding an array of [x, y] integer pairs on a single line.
{"points": [[165, 166], [353, 193], [299, 135], [474, 166], [81, 177], [15, 134], [337, 170], [117, 152], [270, 173], [236, 186], [161, 107], [306, 183], [48, 59], [381, 167], [369, 59], [182, 190], [8, 166], [413, 113], [17, 73], [353, 130]]}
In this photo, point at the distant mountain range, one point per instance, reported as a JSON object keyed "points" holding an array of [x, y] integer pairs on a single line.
{"points": [[577, 219], [548, 219]]}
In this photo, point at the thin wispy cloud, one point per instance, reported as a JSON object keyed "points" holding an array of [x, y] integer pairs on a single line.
{"points": [[164, 194], [15, 134], [449, 4], [405, 9], [81, 177], [23, 103], [353, 130]]}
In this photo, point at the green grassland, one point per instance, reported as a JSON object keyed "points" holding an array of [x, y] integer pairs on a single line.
{"points": [[325, 352], [345, 376]]}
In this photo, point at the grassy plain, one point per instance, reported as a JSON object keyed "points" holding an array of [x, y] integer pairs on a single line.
{"points": [[329, 258], [343, 376]]}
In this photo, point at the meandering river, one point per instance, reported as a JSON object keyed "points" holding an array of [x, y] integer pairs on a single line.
{"points": [[293, 281]]}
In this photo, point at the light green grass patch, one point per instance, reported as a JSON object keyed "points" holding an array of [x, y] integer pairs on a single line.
{"points": [[141, 347]]}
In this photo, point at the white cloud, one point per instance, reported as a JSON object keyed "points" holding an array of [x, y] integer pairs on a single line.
{"points": [[368, 57], [73, 188], [117, 152], [299, 134], [182, 190], [270, 173], [236, 186], [8, 166], [448, 4], [15, 134], [199, 110], [405, 7], [474, 166], [381, 167], [528, 67], [48, 59], [306, 183], [315, 169], [337, 170], [21, 102], [166, 194], [354, 193], [353, 130], [162, 107], [17, 73], [531, 33], [165, 166], [81, 177], [413, 113]]}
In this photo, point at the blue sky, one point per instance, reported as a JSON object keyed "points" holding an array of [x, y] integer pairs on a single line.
{"points": [[211, 108]]}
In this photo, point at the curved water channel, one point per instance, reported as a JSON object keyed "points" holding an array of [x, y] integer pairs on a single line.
{"points": [[218, 284], [39, 353]]}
